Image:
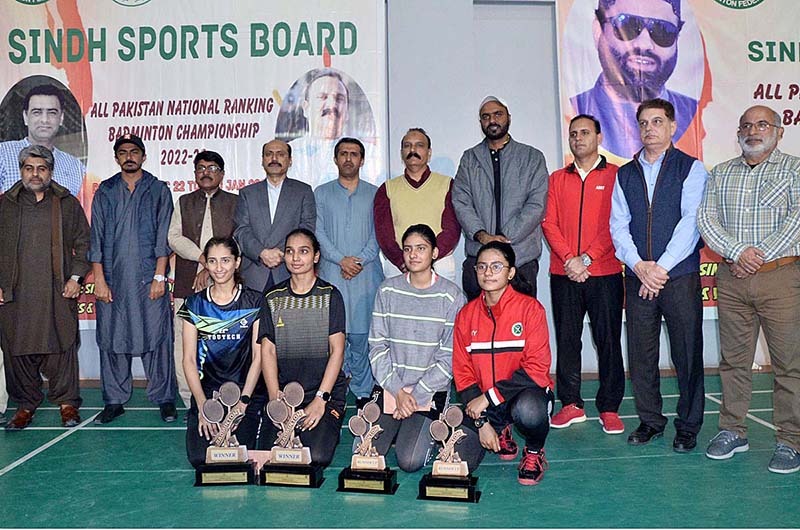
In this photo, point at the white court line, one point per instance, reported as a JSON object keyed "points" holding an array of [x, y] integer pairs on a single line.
{"points": [[44, 447], [754, 418], [101, 408]]}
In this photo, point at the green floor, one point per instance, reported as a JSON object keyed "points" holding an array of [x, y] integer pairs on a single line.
{"points": [[133, 473]]}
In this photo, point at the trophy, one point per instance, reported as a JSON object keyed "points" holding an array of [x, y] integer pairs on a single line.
{"points": [[289, 463], [226, 460], [450, 479], [367, 472]]}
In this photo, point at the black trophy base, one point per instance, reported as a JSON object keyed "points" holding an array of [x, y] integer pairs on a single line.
{"points": [[382, 481], [453, 489], [233, 474], [292, 475]]}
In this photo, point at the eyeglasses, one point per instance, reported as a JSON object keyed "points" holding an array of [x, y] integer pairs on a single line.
{"points": [[627, 27], [760, 126], [495, 267], [211, 169]]}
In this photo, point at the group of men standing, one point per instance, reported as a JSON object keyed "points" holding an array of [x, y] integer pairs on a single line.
{"points": [[658, 206], [648, 215]]}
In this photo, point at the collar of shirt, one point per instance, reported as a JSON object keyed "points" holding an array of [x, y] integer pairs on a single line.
{"points": [[433, 278], [493, 151], [346, 190], [585, 173], [275, 187], [414, 183], [771, 159]]}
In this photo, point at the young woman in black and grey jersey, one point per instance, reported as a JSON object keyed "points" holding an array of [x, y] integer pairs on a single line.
{"points": [[302, 339], [220, 344]]}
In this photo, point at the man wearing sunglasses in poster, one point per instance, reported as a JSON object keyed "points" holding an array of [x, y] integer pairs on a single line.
{"points": [[637, 44]]}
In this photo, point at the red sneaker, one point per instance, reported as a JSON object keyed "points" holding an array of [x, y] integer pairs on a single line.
{"points": [[508, 447], [611, 423], [532, 467], [568, 415]]}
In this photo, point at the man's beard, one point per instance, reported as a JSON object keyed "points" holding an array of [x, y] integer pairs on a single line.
{"points": [[646, 84], [757, 150], [501, 132], [42, 187]]}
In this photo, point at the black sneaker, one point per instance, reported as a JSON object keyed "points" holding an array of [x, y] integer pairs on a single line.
{"points": [[168, 412], [532, 467], [109, 413]]}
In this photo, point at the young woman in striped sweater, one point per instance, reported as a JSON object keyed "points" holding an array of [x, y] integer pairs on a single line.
{"points": [[411, 349]]}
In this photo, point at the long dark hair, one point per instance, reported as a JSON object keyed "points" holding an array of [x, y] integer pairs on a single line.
{"points": [[232, 245], [519, 282]]}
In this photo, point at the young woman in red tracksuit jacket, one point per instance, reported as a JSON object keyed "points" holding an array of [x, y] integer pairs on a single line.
{"points": [[501, 363]]}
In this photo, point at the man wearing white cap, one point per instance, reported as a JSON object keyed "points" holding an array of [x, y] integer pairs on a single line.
{"points": [[499, 194]]}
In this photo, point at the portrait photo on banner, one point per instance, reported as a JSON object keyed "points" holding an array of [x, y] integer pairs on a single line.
{"points": [[322, 106], [40, 110], [617, 53]]}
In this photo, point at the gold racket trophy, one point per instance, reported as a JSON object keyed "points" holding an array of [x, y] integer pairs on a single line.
{"points": [[450, 479], [367, 472], [226, 460], [289, 463]]}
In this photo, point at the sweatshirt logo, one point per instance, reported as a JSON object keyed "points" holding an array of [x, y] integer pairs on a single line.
{"points": [[516, 329], [280, 323]]}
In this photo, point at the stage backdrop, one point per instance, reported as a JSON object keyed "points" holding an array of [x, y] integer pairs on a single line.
{"points": [[730, 55], [188, 75]]}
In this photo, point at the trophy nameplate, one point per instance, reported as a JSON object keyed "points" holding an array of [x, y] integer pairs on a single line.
{"points": [[367, 472], [289, 462], [226, 461], [450, 479]]}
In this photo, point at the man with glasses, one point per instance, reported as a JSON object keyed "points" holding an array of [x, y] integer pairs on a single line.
{"points": [[198, 216], [585, 276], [654, 228], [637, 44], [750, 215]]}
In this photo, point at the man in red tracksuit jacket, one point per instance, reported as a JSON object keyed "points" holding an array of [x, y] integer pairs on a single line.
{"points": [[585, 276]]}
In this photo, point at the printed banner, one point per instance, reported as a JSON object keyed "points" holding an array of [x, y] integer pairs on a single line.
{"points": [[711, 58], [192, 75]]}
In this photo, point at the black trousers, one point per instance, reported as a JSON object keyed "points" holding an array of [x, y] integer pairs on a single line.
{"points": [[529, 411], [602, 298], [680, 303], [24, 378], [469, 278], [248, 433]]}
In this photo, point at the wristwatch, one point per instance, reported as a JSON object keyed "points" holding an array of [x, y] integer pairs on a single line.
{"points": [[587, 260], [326, 396], [481, 421], [245, 399], [160, 278]]}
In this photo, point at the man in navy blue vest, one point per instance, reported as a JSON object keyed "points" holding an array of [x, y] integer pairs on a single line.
{"points": [[654, 228]]}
